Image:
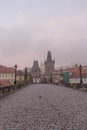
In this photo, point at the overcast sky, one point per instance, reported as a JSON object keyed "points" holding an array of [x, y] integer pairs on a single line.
{"points": [[30, 28]]}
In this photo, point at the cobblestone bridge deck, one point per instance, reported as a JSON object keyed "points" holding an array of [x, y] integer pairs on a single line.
{"points": [[44, 107]]}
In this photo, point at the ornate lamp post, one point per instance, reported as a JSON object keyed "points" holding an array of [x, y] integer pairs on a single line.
{"points": [[80, 67], [15, 73]]}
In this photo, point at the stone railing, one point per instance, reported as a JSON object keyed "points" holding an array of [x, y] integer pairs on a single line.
{"points": [[6, 90], [76, 86]]}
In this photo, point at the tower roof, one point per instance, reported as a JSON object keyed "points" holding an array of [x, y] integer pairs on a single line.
{"points": [[35, 67], [49, 57]]}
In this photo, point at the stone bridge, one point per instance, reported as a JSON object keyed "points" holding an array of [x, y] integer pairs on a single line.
{"points": [[44, 107]]}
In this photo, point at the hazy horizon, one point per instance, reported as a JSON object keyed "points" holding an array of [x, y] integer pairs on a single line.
{"points": [[31, 28]]}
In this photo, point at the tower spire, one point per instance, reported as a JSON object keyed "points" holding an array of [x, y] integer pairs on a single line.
{"points": [[49, 64], [49, 57]]}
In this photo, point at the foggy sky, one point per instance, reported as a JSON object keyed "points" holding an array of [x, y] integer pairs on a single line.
{"points": [[30, 28]]}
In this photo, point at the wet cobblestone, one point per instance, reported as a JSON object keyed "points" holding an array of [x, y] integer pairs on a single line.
{"points": [[44, 107]]}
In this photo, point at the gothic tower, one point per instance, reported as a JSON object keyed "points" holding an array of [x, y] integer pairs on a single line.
{"points": [[35, 72], [35, 67], [49, 64]]}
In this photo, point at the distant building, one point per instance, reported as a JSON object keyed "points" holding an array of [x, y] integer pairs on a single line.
{"points": [[7, 75], [20, 76], [75, 78], [36, 72], [49, 65], [74, 74], [42, 67], [56, 77]]}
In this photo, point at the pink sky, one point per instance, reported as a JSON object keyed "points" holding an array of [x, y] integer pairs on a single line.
{"points": [[29, 29]]}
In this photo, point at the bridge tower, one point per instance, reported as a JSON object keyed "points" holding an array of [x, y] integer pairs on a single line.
{"points": [[49, 65]]}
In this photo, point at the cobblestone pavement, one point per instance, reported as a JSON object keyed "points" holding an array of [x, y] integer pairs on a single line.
{"points": [[44, 107]]}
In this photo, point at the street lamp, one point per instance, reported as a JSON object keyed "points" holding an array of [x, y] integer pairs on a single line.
{"points": [[80, 67], [15, 73]]}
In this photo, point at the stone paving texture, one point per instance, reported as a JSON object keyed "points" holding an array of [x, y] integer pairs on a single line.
{"points": [[44, 107]]}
